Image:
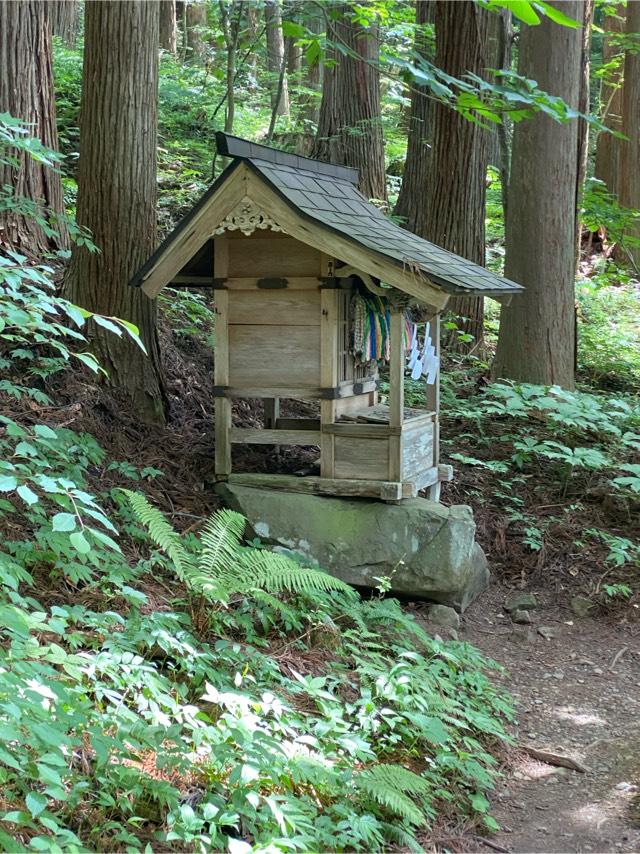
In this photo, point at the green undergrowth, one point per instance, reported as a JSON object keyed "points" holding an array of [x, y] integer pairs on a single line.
{"points": [[180, 701], [189, 692], [559, 472]]}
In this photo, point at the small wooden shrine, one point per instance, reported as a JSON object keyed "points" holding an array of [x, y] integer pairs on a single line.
{"points": [[314, 289]]}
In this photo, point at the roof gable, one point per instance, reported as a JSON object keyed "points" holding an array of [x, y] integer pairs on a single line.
{"points": [[318, 204]]}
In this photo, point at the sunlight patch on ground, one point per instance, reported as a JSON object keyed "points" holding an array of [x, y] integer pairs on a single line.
{"points": [[570, 713]]}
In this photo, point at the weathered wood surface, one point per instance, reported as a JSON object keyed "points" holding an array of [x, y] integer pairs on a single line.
{"points": [[293, 283], [321, 486], [260, 257], [273, 356], [424, 480], [222, 405], [266, 307], [259, 436], [417, 451], [361, 458], [328, 370]]}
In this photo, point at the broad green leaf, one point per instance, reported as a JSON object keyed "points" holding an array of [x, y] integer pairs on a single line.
{"points": [[36, 803], [520, 9], [45, 432], [556, 15], [8, 482], [107, 324], [80, 543], [27, 495], [64, 522]]}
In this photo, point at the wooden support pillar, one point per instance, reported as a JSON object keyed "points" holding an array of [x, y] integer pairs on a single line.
{"points": [[433, 404], [271, 412], [328, 367], [221, 363], [396, 393]]}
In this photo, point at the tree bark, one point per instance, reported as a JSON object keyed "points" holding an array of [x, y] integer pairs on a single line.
{"points": [[607, 165], [537, 330], [583, 106], [196, 20], [349, 127], [629, 179], [64, 20], [454, 201], [27, 93], [276, 58], [168, 26], [410, 205], [117, 189], [313, 73]]}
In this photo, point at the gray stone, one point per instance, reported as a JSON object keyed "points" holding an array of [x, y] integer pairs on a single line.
{"points": [[521, 617], [442, 615], [581, 605], [547, 632], [520, 602], [427, 550]]}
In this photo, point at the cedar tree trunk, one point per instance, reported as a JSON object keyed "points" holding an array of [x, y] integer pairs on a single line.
{"points": [[196, 20], [168, 26], [276, 58], [607, 164], [117, 189], [349, 128], [410, 205], [64, 20], [537, 330], [630, 147], [26, 92], [454, 202]]}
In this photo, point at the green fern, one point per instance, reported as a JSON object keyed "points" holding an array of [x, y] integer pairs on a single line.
{"points": [[390, 786], [223, 566], [162, 534]]}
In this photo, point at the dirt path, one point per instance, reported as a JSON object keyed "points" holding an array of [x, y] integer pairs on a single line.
{"points": [[572, 699]]}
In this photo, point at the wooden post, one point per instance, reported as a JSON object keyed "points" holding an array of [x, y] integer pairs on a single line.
{"points": [[433, 404], [396, 394], [271, 412], [221, 363], [328, 367]]}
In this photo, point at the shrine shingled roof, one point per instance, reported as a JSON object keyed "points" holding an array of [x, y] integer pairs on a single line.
{"points": [[326, 194]]}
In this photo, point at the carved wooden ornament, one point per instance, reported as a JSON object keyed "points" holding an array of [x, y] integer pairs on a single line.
{"points": [[247, 217]]}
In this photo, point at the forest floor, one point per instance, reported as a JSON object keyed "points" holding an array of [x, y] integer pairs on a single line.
{"points": [[577, 696]]}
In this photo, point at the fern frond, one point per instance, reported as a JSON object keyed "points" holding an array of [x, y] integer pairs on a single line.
{"points": [[220, 542], [276, 573], [162, 534], [390, 786], [402, 837]]}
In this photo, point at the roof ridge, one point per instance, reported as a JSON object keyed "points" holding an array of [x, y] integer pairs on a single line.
{"points": [[243, 149]]}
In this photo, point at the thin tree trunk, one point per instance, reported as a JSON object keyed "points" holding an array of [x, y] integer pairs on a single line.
{"points": [[313, 73], [455, 195], [196, 21], [117, 189], [607, 165], [629, 180], [64, 20], [26, 92], [537, 330], [504, 129], [230, 14], [410, 205], [276, 58], [168, 26], [349, 129], [583, 106]]}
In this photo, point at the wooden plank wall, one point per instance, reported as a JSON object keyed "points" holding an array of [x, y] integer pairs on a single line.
{"points": [[274, 334]]}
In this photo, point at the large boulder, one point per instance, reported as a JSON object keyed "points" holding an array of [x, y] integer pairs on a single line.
{"points": [[427, 550]]}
